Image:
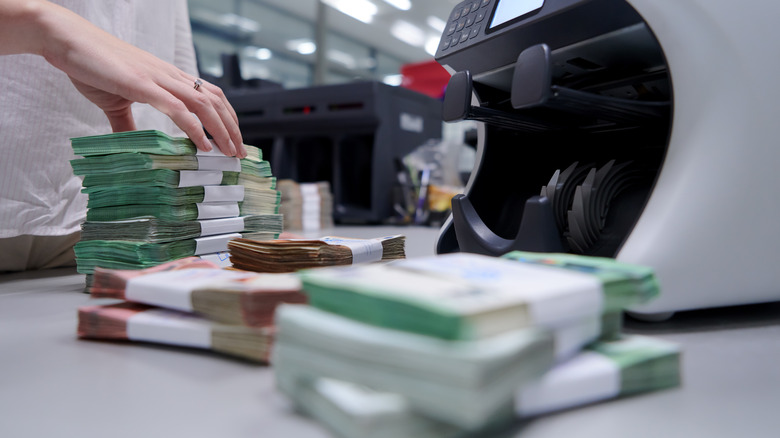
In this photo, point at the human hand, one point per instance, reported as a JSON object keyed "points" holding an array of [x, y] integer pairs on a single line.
{"points": [[113, 74]]}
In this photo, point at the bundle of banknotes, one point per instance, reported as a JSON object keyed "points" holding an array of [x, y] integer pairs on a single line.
{"points": [[463, 343], [290, 255], [306, 206], [153, 198], [190, 302]]}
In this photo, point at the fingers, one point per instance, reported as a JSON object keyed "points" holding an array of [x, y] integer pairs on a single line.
{"points": [[121, 120], [209, 103], [226, 114]]}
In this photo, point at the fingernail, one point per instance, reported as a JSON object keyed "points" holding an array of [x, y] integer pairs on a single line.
{"points": [[207, 143], [233, 149]]}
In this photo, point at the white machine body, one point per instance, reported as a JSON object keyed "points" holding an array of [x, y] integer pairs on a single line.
{"points": [[710, 227]]}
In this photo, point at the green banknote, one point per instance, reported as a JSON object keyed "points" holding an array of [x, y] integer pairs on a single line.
{"points": [[134, 161], [121, 254], [154, 230], [176, 178], [456, 296], [149, 141], [187, 212], [465, 383], [624, 284], [107, 196], [605, 370]]}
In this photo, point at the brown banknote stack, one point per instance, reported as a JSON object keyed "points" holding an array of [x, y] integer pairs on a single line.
{"points": [[290, 255], [142, 323], [192, 303]]}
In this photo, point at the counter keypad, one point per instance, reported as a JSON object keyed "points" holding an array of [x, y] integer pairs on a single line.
{"points": [[462, 23]]}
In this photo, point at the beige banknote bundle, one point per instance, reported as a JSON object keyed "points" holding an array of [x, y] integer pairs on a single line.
{"points": [[290, 255], [142, 323]]}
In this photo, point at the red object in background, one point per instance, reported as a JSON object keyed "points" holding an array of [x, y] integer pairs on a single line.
{"points": [[426, 77]]}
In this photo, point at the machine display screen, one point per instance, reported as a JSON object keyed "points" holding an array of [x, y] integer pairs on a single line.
{"points": [[508, 10]]}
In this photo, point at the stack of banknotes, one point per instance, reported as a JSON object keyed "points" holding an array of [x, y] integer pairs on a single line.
{"points": [[190, 303], [290, 255], [462, 343], [306, 206], [153, 198]]}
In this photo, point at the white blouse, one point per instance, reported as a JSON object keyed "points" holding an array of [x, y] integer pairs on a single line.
{"points": [[40, 110]]}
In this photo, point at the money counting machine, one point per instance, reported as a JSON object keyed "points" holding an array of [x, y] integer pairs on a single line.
{"points": [[640, 130]]}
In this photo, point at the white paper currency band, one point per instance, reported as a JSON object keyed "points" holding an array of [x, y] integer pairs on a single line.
{"points": [[194, 178], [586, 378], [221, 259], [168, 327], [211, 244], [569, 340], [212, 227], [223, 163], [173, 289], [310, 223], [223, 193], [214, 152], [218, 210], [363, 251], [310, 191]]}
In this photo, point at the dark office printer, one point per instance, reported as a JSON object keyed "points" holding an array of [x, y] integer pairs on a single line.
{"points": [[638, 129]]}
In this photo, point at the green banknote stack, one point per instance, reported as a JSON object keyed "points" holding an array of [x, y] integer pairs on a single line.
{"points": [[153, 198], [463, 343]]}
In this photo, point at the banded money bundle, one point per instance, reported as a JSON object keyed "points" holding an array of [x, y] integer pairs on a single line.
{"points": [[192, 303], [153, 198], [306, 206], [290, 255], [463, 343]]}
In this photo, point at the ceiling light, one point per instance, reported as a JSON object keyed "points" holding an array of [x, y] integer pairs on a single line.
{"points": [[436, 23], [394, 80], [362, 10], [242, 23], [260, 53], [408, 33], [303, 46], [403, 5], [432, 45], [342, 58]]}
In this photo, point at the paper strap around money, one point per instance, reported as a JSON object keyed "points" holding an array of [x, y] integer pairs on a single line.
{"points": [[173, 289], [223, 193], [223, 163], [221, 259], [218, 210], [369, 250], [169, 327], [211, 227], [212, 244], [194, 178], [564, 386]]}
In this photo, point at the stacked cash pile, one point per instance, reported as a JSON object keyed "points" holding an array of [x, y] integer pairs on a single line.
{"points": [[306, 206], [290, 255], [155, 198], [454, 344], [190, 303]]}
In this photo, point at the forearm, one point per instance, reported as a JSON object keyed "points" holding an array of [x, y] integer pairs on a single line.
{"points": [[29, 26]]}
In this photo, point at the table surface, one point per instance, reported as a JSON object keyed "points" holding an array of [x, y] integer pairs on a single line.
{"points": [[54, 385]]}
